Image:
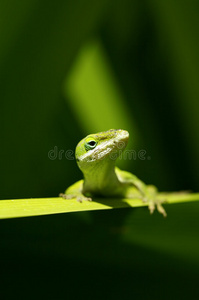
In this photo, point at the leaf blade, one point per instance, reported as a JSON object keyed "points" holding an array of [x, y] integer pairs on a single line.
{"points": [[45, 206]]}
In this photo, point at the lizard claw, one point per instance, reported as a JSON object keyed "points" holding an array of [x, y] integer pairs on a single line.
{"points": [[82, 198], [151, 207], [161, 210]]}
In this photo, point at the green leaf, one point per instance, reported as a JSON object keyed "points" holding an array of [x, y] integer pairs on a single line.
{"points": [[45, 206]]}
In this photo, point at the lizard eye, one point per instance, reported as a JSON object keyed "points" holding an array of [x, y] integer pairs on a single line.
{"points": [[90, 145]]}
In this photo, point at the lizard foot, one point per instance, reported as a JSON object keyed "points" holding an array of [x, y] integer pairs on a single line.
{"points": [[80, 198], [152, 203], [65, 196]]}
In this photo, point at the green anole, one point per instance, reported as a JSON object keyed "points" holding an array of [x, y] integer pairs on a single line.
{"points": [[96, 155]]}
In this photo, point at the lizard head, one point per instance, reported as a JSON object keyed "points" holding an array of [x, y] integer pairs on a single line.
{"points": [[102, 147]]}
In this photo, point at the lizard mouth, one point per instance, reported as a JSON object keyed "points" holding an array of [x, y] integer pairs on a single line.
{"points": [[121, 139]]}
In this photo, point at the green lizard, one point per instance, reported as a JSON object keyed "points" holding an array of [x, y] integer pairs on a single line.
{"points": [[96, 155]]}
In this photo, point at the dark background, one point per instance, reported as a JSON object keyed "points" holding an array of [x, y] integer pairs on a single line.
{"points": [[151, 49]]}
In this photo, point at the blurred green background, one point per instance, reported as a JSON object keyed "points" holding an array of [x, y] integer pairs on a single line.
{"points": [[71, 68]]}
